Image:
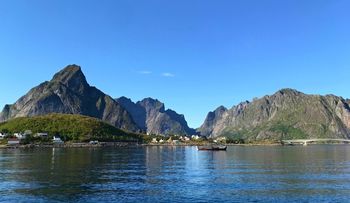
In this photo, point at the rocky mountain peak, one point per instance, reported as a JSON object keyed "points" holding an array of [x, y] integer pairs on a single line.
{"points": [[151, 116], [150, 103], [71, 76], [137, 112], [124, 100], [288, 92], [211, 120], [69, 93], [220, 109]]}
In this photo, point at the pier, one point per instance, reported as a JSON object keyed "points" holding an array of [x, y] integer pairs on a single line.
{"points": [[305, 142]]}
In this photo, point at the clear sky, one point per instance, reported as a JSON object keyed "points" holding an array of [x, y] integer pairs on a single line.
{"points": [[193, 55]]}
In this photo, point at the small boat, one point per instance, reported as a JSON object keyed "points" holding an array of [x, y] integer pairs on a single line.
{"points": [[213, 147]]}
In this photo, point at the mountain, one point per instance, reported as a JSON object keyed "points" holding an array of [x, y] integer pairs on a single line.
{"points": [[69, 93], [212, 120], [137, 112], [151, 116], [69, 127], [287, 114]]}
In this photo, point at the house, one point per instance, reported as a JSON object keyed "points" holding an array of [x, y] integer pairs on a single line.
{"points": [[154, 140], [2, 136], [20, 135], [93, 142], [13, 141], [195, 137], [57, 140], [161, 141], [184, 138], [221, 139]]}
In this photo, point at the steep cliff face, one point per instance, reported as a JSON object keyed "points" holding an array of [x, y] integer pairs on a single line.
{"points": [[68, 92], [150, 115], [283, 115], [212, 121], [137, 112]]}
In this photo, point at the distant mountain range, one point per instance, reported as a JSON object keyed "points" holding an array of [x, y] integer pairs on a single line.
{"points": [[287, 114]]}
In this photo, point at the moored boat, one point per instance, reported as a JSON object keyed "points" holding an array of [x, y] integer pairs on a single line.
{"points": [[213, 147]]}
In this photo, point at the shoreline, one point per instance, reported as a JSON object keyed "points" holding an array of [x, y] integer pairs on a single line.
{"points": [[203, 144], [71, 145], [128, 144]]}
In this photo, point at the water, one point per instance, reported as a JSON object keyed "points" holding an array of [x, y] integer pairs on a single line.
{"points": [[319, 173]]}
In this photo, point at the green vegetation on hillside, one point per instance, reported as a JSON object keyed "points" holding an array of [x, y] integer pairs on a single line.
{"points": [[69, 127]]}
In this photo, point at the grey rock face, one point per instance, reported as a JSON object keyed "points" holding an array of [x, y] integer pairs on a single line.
{"points": [[68, 92], [137, 112], [287, 114], [212, 121], [150, 115]]}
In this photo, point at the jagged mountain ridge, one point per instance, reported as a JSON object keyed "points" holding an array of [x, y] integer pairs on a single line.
{"points": [[286, 114], [151, 116], [69, 93]]}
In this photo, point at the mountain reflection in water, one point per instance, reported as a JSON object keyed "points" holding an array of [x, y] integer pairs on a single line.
{"points": [[176, 174]]}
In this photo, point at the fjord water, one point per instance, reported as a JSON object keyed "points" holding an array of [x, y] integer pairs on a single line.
{"points": [[317, 173]]}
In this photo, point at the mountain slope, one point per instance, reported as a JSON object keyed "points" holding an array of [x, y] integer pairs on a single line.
{"points": [[151, 116], [286, 114], [68, 92]]}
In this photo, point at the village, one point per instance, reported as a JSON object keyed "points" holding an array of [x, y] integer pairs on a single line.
{"points": [[19, 138], [29, 138], [184, 140]]}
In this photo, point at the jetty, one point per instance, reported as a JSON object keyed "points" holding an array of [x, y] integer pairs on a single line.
{"points": [[305, 142]]}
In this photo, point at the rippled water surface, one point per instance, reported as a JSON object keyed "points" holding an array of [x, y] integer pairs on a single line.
{"points": [[319, 173]]}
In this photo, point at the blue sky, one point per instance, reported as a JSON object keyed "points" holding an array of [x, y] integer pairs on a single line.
{"points": [[193, 55]]}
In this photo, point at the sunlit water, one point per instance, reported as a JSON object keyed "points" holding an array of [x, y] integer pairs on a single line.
{"points": [[318, 173]]}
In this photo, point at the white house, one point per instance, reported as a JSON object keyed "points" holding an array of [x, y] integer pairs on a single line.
{"points": [[195, 137], [57, 140], [93, 142], [161, 141], [154, 140], [13, 141], [20, 136], [2, 136]]}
